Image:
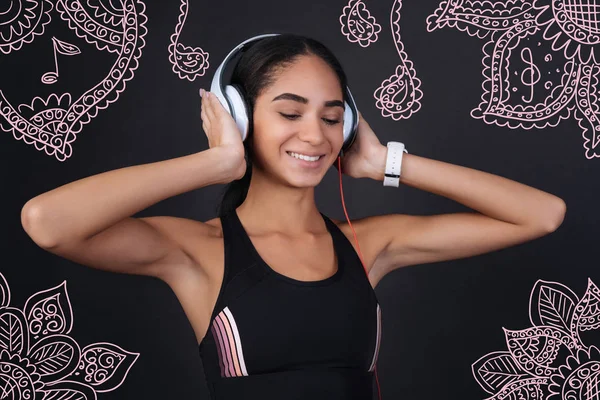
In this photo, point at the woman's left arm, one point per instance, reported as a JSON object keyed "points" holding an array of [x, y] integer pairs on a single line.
{"points": [[509, 212]]}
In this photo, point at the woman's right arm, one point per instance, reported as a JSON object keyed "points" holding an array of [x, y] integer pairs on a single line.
{"points": [[89, 220]]}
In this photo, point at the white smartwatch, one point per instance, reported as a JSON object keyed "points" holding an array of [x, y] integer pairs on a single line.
{"points": [[393, 163]]}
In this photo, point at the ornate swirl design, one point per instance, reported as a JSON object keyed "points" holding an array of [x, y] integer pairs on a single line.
{"points": [[40, 360], [188, 63], [539, 63], [52, 124], [548, 360], [358, 25]]}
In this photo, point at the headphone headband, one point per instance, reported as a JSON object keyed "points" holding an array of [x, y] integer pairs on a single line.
{"points": [[233, 100], [216, 86]]}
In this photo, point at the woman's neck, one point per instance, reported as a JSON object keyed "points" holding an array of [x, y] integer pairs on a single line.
{"points": [[273, 206]]}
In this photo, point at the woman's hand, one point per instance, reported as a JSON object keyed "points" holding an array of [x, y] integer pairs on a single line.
{"points": [[222, 131], [366, 157]]}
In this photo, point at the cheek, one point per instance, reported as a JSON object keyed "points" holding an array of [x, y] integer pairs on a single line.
{"points": [[336, 138], [272, 136]]}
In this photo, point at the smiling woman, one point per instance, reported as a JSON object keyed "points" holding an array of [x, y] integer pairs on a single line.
{"points": [[305, 67], [281, 297]]}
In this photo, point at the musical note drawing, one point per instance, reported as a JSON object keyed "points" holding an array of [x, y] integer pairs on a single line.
{"points": [[530, 74], [526, 40], [64, 48], [51, 124]]}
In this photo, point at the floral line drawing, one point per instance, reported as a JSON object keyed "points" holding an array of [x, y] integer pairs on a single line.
{"points": [[188, 63], [38, 358], [549, 359]]}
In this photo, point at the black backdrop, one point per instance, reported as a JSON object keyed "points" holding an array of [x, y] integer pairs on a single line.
{"points": [[439, 319]]}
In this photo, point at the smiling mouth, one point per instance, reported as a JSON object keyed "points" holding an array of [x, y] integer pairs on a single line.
{"points": [[304, 157]]}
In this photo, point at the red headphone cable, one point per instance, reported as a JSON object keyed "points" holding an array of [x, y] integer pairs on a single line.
{"points": [[359, 252]]}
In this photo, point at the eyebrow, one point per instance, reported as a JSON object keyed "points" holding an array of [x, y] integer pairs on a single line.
{"points": [[304, 100]]}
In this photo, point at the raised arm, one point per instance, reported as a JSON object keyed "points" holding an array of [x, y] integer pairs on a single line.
{"points": [[89, 220]]}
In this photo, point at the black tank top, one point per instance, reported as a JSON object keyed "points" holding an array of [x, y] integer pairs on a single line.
{"points": [[274, 337]]}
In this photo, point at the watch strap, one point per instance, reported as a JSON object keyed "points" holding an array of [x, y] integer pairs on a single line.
{"points": [[393, 163]]}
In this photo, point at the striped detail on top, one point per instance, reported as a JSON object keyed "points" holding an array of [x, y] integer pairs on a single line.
{"points": [[229, 345], [376, 353]]}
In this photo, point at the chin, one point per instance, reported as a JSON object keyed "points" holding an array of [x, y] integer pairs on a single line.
{"points": [[304, 182]]}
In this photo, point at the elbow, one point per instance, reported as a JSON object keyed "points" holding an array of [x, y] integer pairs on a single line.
{"points": [[31, 221], [555, 218]]}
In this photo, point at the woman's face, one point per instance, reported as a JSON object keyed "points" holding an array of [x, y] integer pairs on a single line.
{"points": [[301, 112]]}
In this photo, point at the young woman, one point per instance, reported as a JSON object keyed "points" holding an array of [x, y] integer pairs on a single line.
{"points": [[274, 290]]}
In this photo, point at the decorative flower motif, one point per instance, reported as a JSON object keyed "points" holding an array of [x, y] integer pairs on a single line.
{"points": [[572, 25], [38, 360], [529, 83], [548, 359]]}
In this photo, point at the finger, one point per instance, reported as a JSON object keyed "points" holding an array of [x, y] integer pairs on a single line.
{"points": [[210, 112], [204, 112], [202, 101], [204, 115], [205, 122], [216, 106], [206, 130]]}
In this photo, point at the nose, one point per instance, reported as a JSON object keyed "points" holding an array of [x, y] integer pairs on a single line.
{"points": [[312, 131]]}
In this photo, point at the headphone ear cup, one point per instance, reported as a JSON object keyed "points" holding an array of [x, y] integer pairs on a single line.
{"points": [[348, 123], [239, 109], [350, 126], [351, 118]]}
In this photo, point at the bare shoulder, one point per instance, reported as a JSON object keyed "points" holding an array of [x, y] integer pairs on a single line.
{"points": [[369, 246]]}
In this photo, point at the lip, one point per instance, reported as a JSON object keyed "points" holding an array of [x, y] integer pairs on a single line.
{"points": [[307, 164]]}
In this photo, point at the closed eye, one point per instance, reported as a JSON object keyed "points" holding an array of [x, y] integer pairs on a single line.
{"points": [[296, 116]]}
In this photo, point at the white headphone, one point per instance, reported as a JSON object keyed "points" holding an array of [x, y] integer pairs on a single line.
{"points": [[233, 101]]}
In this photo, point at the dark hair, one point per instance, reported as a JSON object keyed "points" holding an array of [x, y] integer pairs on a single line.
{"points": [[255, 71]]}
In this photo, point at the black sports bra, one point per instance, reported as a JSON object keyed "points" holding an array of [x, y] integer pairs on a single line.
{"points": [[274, 337]]}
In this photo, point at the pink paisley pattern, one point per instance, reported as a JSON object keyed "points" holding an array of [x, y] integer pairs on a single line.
{"points": [[548, 360], [38, 358], [539, 63], [21, 21], [188, 63], [399, 95], [358, 25], [52, 124]]}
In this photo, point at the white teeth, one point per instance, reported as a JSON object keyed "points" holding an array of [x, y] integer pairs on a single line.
{"points": [[303, 157]]}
